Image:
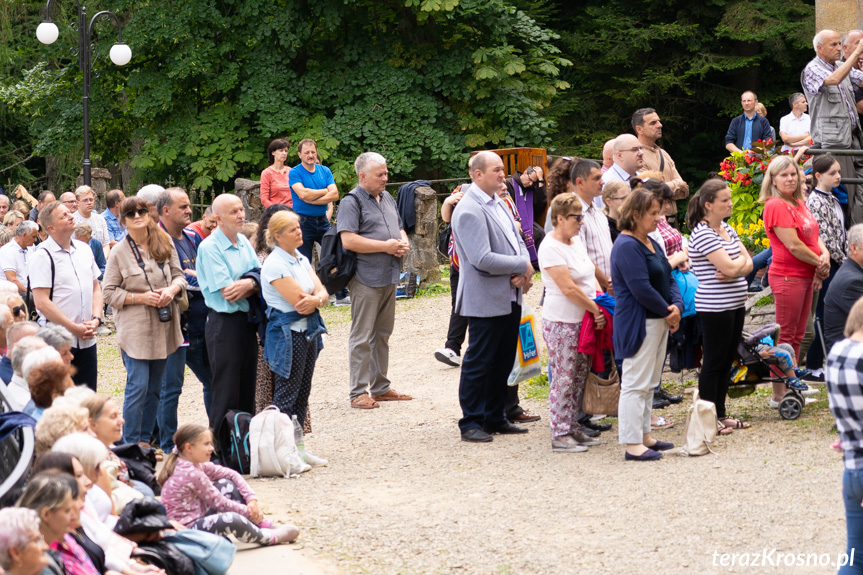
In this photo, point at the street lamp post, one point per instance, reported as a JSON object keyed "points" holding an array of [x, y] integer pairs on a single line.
{"points": [[120, 54]]}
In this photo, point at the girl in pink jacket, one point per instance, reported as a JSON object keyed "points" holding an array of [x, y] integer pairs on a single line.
{"points": [[205, 496]]}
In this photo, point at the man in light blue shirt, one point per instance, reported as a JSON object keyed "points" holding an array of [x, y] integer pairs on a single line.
{"points": [[223, 258], [116, 230]]}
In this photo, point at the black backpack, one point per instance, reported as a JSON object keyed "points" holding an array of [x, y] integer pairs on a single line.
{"points": [[234, 441], [336, 266]]}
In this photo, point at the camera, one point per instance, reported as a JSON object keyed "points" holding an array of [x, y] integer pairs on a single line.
{"points": [[165, 314]]}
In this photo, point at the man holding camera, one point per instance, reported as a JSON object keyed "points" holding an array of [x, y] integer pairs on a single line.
{"points": [[223, 259]]}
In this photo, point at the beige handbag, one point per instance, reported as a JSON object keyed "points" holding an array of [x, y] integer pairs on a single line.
{"points": [[700, 426], [601, 396]]}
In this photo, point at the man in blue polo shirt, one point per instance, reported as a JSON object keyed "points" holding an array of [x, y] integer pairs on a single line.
{"points": [[232, 344], [312, 189]]}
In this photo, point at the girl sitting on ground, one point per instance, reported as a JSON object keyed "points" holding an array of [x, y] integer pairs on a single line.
{"points": [[209, 497]]}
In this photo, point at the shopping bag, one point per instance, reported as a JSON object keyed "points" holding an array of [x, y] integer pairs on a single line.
{"points": [[527, 364]]}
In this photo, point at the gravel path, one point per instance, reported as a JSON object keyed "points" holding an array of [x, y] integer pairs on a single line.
{"points": [[403, 495]]}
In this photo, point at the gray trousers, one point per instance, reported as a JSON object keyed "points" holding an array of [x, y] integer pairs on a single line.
{"points": [[639, 377], [852, 167], [373, 313]]}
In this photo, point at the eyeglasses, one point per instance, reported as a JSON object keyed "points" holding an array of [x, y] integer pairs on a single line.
{"points": [[578, 217], [140, 211], [617, 198], [18, 309], [634, 150]]}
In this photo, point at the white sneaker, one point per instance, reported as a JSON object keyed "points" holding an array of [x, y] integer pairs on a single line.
{"points": [[810, 391], [773, 404], [447, 356], [103, 330], [314, 460], [343, 301]]}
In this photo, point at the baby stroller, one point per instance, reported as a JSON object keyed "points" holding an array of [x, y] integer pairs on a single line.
{"points": [[750, 368]]}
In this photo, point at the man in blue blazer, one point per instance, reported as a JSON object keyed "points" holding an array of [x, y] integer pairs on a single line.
{"points": [[495, 270]]}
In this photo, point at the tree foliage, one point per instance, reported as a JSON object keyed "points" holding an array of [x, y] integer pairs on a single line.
{"points": [[213, 81]]}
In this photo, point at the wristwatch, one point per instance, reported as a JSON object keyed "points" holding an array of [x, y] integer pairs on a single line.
{"points": [[101, 322]]}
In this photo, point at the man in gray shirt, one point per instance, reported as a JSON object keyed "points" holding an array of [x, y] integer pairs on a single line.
{"points": [[369, 225]]}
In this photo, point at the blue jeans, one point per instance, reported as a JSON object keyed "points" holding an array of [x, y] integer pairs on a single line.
{"points": [[313, 228], [164, 411], [760, 261], [852, 492], [143, 385]]}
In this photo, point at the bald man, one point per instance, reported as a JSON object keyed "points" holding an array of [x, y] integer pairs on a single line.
{"points": [[495, 270], [607, 155], [224, 258], [628, 160], [829, 87]]}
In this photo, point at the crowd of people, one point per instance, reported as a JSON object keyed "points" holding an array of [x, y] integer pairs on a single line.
{"points": [[239, 303]]}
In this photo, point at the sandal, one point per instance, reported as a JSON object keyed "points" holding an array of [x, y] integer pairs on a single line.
{"points": [[722, 429], [662, 423], [737, 423], [364, 402]]}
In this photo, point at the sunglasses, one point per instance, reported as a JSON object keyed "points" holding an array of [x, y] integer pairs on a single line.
{"points": [[140, 211], [578, 217]]}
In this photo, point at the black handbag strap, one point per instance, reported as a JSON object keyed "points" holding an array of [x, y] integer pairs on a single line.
{"points": [[141, 264]]}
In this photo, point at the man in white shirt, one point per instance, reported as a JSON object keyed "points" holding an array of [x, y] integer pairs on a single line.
{"points": [[66, 291], [794, 128], [86, 215], [14, 332], [595, 235], [14, 255], [628, 159], [17, 393]]}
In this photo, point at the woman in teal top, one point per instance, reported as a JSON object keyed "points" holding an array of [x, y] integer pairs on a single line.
{"points": [[293, 294]]}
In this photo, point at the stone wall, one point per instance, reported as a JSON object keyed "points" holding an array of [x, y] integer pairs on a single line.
{"points": [[839, 15], [422, 259], [250, 192]]}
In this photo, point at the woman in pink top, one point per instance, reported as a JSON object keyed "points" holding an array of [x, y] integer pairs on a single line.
{"points": [[275, 188], [205, 496]]}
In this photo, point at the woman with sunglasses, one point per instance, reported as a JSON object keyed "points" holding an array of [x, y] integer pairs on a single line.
{"points": [[570, 293], [143, 282]]}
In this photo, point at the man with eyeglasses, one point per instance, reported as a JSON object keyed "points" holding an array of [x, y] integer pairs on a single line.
{"points": [[87, 215], [748, 127], [648, 128], [628, 159]]}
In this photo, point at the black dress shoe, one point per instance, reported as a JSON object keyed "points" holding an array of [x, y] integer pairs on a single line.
{"points": [[662, 394], [595, 426], [659, 403], [476, 436], [589, 432], [507, 429]]}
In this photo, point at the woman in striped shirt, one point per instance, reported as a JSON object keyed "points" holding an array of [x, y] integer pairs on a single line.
{"points": [[720, 261]]}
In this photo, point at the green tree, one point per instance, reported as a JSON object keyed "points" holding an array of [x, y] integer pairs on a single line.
{"points": [[212, 81]]}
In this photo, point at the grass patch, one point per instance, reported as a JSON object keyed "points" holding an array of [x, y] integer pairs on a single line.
{"points": [[433, 289], [535, 388], [766, 300]]}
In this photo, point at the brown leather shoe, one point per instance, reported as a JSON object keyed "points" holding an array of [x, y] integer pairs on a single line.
{"points": [[364, 402], [392, 395], [525, 417]]}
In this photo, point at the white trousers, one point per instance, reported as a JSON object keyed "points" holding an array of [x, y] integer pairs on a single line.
{"points": [[640, 375]]}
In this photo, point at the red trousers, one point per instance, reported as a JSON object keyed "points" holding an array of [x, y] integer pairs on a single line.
{"points": [[793, 297]]}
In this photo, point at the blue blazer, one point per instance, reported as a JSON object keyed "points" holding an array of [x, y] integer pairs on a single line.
{"points": [[634, 295], [487, 258]]}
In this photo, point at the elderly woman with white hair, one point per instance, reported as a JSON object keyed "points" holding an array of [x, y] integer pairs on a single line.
{"points": [[17, 393], [59, 338], [22, 546]]}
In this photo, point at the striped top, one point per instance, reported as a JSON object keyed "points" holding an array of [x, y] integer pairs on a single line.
{"points": [[845, 392], [713, 295]]}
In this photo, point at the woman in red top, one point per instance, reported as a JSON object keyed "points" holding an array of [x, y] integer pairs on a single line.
{"points": [[274, 179], [800, 258]]}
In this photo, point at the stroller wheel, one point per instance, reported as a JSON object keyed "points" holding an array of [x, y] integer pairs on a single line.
{"points": [[790, 407]]}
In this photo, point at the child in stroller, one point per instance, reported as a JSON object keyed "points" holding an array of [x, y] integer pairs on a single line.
{"points": [[760, 360]]}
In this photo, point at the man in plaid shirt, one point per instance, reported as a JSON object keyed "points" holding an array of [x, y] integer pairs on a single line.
{"points": [[845, 392]]}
